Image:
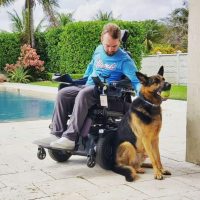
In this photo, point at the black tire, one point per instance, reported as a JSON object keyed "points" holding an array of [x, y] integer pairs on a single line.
{"points": [[105, 151], [59, 155]]}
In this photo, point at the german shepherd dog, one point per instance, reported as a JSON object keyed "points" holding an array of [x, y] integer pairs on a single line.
{"points": [[138, 133]]}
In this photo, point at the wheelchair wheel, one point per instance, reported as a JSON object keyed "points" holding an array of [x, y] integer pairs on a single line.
{"points": [[104, 151], [59, 155]]}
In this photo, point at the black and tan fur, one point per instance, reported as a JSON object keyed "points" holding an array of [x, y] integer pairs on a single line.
{"points": [[138, 132]]}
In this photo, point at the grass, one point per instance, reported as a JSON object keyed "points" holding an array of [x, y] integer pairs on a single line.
{"points": [[178, 92], [46, 83]]}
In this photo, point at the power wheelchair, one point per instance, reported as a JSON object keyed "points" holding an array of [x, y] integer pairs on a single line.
{"points": [[96, 137]]}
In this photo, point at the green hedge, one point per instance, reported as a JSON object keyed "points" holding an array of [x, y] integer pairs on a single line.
{"points": [[9, 48], [52, 40], [79, 40], [70, 49], [41, 47]]}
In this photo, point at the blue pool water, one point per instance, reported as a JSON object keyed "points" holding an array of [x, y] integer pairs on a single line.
{"points": [[15, 107]]}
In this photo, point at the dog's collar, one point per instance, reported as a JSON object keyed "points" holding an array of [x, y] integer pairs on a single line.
{"points": [[143, 99]]}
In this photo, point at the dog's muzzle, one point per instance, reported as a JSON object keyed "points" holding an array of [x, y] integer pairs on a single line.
{"points": [[167, 86], [164, 91]]}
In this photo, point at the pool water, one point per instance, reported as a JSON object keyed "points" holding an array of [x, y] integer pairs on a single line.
{"points": [[16, 107]]}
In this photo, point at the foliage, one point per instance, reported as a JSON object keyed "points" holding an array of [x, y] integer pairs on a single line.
{"points": [[164, 49], [104, 16], [177, 33], [69, 49], [154, 34], [19, 75], [52, 40], [9, 48], [19, 22], [29, 60], [64, 18], [41, 46], [79, 40], [48, 8]]}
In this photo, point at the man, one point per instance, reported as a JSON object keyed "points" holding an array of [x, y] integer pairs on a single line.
{"points": [[108, 60]]}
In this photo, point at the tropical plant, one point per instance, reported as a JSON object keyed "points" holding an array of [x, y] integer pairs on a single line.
{"points": [[29, 60], [177, 23], [105, 16], [154, 34], [64, 18], [19, 22], [48, 7], [19, 75], [163, 48]]}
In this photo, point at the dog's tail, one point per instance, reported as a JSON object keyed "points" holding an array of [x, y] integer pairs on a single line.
{"points": [[125, 170]]}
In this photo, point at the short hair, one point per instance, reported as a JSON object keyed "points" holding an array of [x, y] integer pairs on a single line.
{"points": [[113, 30]]}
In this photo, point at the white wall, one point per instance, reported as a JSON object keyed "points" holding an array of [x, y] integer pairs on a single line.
{"points": [[193, 102], [175, 65]]}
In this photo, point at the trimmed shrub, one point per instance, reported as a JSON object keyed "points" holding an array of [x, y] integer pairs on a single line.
{"points": [[28, 60], [52, 39], [9, 48], [70, 49], [79, 40]]}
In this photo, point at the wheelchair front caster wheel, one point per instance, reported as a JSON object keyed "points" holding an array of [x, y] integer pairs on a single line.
{"points": [[91, 162], [41, 153]]}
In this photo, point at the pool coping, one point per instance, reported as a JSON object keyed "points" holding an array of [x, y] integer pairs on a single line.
{"points": [[44, 92]]}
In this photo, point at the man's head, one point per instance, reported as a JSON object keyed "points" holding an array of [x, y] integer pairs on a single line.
{"points": [[110, 38]]}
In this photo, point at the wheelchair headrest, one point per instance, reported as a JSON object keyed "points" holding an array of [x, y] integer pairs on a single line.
{"points": [[124, 35]]}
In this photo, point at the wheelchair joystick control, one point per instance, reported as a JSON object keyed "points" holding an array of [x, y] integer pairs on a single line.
{"points": [[101, 131]]}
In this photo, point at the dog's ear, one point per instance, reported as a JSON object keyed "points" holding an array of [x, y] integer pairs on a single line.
{"points": [[161, 71], [142, 78]]}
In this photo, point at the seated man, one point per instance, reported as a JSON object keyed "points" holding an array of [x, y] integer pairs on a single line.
{"points": [[108, 60]]}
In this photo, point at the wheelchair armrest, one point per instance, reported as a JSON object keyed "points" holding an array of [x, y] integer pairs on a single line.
{"points": [[66, 78], [124, 83]]}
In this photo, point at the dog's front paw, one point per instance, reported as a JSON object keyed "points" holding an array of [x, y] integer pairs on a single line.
{"points": [[140, 170], [166, 172], [158, 176]]}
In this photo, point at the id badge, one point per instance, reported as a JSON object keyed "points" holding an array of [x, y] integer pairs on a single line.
{"points": [[104, 100]]}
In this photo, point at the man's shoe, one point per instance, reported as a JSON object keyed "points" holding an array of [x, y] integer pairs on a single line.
{"points": [[63, 143], [46, 141]]}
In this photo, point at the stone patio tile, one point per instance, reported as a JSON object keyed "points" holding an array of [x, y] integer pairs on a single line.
{"points": [[74, 167], [66, 186], [193, 195], [19, 192], [6, 169], [173, 197], [69, 196], [25, 178], [181, 167], [162, 188], [118, 192], [2, 185], [190, 179]]}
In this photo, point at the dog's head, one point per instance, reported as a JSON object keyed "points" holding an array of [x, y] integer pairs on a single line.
{"points": [[154, 88]]}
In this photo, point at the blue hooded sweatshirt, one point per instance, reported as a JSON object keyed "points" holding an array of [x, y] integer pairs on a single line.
{"points": [[113, 66]]}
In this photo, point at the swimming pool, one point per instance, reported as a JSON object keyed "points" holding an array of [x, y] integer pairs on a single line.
{"points": [[16, 107]]}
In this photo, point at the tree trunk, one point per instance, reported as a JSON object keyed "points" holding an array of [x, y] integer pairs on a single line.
{"points": [[32, 25], [29, 30]]}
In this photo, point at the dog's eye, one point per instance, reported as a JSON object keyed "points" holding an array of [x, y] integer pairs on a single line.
{"points": [[156, 80]]}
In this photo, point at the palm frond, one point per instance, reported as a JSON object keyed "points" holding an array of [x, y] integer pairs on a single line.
{"points": [[40, 25], [17, 22], [49, 9], [6, 2]]}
